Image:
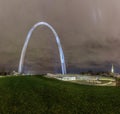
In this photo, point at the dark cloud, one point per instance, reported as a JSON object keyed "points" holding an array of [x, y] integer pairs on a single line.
{"points": [[89, 31]]}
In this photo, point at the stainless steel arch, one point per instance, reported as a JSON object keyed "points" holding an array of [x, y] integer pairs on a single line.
{"points": [[62, 59]]}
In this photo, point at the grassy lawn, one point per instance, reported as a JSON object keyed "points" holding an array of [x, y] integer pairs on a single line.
{"points": [[40, 95]]}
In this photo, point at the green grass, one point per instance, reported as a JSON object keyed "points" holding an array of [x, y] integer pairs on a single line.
{"points": [[40, 95]]}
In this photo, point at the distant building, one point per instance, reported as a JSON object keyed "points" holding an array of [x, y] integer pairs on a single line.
{"points": [[14, 73], [117, 75], [112, 69], [68, 78]]}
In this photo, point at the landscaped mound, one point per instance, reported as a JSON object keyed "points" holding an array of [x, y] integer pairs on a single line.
{"points": [[40, 95]]}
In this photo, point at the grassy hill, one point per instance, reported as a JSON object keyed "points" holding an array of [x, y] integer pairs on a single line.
{"points": [[40, 95]]}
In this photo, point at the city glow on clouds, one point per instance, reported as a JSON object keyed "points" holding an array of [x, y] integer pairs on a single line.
{"points": [[89, 31]]}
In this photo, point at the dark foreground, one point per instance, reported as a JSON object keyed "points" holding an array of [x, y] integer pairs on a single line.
{"points": [[39, 95]]}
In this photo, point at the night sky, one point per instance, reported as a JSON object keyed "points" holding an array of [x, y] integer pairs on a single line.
{"points": [[89, 31]]}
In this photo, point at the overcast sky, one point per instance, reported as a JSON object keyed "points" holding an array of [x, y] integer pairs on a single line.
{"points": [[89, 31]]}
